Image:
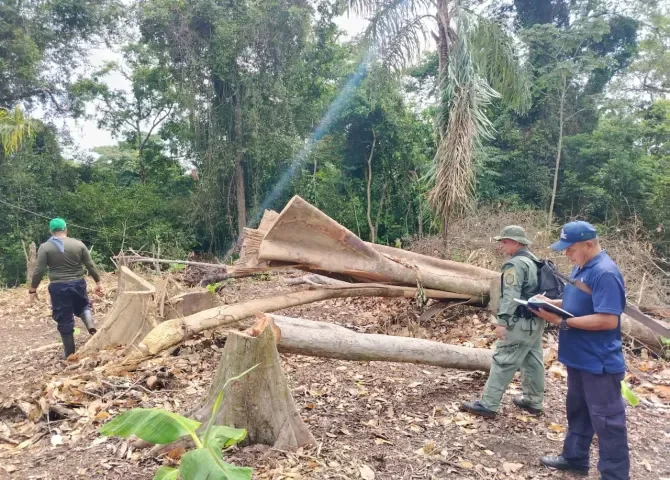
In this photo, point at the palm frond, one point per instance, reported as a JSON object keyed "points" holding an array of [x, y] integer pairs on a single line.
{"points": [[383, 12], [15, 128], [498, 60], [397, 29], [404, 48]]}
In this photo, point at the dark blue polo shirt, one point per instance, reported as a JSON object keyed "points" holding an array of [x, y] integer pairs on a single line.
{"points": [[594, 351]]}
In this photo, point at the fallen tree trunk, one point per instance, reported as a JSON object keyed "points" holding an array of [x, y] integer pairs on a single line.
{"points": [[321, 339], [254, 238], [302, 235], [638, 332], [173, 332]]}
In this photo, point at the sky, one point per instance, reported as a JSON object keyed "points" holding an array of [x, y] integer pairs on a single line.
{"points": [[85, 133]]}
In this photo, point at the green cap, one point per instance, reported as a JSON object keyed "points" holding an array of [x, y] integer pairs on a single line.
{"points": [[57, 225], [514, 232]]}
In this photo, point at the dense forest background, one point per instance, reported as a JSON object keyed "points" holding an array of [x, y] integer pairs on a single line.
{"points": [[233, 106]]}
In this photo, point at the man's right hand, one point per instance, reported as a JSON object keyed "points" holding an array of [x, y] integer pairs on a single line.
{"points": [[500, 332], [554, 302], [33, 296], [98, 289]]}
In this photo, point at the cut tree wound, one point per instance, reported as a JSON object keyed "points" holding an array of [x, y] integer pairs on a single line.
{"points": [[261, 402]]}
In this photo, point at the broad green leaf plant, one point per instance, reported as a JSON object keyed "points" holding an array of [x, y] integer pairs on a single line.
{"points": [[158, 426]]}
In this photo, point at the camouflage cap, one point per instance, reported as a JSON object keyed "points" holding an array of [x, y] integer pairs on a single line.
{"points": [[514, 232]]}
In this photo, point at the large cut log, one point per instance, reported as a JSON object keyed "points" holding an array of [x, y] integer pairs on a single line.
{"points": [[261, 400], [254, 238], [132, 316], [303, 235], [321, 339], [173, 332]]}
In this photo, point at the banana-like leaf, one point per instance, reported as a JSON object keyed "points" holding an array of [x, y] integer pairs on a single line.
{"points": [[166, 473], [223, 437], [152, 425], [629, 395], [208, 464]]}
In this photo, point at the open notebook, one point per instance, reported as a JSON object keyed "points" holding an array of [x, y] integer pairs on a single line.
{"points": [[536, 304]]}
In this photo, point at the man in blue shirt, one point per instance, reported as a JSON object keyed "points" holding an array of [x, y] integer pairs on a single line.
{"points": [[590, 347]]}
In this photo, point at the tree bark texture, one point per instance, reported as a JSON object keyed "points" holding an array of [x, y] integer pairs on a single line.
{"points": [[304, 236], [373, 230], [132, 317], [240, 188], [321, 339], [259, 402], [561, 114]]}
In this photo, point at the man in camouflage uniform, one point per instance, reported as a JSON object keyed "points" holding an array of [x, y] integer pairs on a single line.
{"points": [[519, 333]]}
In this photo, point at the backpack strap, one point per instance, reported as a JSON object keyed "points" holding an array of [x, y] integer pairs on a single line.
{"points": [[523, 253]]}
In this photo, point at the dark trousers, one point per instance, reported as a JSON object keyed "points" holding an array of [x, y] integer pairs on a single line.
{"points": [[595, 405], [67, 300]]}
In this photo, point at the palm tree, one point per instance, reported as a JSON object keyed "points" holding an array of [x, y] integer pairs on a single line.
{"points": [[477, 63], [15, 128]]}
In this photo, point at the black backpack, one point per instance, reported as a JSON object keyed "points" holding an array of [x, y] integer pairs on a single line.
{"points": [[549, 280]]}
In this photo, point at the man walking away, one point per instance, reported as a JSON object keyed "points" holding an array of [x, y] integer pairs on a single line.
{"points": [[519, 332], [66, 257], [590, 347]]}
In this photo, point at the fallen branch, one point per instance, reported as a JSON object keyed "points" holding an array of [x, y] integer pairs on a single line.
{"points": [[315, 280], [173, 332], [138, 259]]}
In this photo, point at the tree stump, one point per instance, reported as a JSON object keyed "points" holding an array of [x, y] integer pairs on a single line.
{"points": [[261, 401], [131, 318]]}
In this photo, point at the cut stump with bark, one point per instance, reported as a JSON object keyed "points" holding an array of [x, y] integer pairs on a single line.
{"points": [[131, 318], [261, 401]]}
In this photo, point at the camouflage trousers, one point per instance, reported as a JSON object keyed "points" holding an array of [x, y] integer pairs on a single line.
{"points": [[521, 349]]}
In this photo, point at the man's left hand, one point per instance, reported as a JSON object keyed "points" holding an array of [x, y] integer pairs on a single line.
{"points": [[549, 317], [33, 296]]}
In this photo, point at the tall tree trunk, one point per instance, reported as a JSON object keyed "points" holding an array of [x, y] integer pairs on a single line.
{"points": [[381, 207], [561, 115], [415, 177], [373, 230], [239, 166], [30, 253], [140, 160], [443, 40]]}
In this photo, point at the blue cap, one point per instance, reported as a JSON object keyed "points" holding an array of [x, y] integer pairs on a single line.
{"points": [[574, 232]]}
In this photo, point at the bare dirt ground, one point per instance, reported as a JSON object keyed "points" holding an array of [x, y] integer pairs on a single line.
{"points": [[371, 420]]}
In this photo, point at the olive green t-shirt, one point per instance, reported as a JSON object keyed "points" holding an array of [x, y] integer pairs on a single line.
{"points": [[66, 266]]}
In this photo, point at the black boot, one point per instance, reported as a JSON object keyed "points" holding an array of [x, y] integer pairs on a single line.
{"points": [[68, 344], [87, 318], [523, 404], [477, 408], [560, 463]]}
